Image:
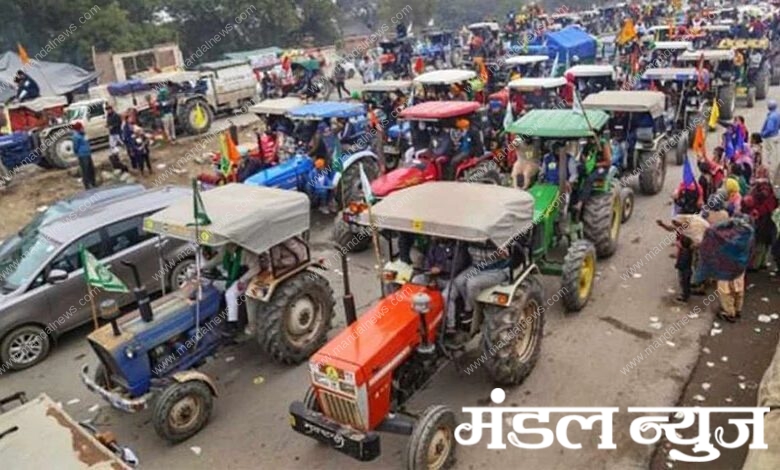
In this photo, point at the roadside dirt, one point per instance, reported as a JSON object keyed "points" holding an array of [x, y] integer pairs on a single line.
{"points": [[729, 370]]}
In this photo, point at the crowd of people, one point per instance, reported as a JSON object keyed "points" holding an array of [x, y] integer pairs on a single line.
{"points": [[727, 221]]}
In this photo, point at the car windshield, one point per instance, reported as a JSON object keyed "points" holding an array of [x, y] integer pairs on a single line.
{"points": [[11, 247], [25, 263], [75, 113]]}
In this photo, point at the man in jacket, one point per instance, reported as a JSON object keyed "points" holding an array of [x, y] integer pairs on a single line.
{"points": [[84, 153], [770, 133]]}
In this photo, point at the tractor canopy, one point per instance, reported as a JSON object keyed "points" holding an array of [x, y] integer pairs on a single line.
{"points": [[653, 102], [445, 77], [673, 45], [277, 106], [558, 123], [327, 110], [386, 86], [711, 55], [532, 84], [569, 42], [311, 65], [525, 60], [253, 217], [592, 71], [438, 110], [483, 213], [742, 44], [671, 74]]}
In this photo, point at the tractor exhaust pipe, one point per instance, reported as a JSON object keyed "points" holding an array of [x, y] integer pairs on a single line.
{"points": [[349, 300], [140, 294]]}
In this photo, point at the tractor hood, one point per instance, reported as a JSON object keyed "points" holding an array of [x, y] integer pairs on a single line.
{"points": [[382, 337], [397, 179], [545, 197]]}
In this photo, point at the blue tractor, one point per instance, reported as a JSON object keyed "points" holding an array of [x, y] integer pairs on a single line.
{"points": [[149, 358], [386, 98], [327, 163], [441, 49]]}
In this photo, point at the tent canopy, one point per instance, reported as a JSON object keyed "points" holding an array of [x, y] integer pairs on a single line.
{"points": [[53, 78], [571, 41]]}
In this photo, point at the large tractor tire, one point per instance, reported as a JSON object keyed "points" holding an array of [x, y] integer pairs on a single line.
{"points": [[728, 102], [456, 58], [60, 152], [432, 443], [681, 149], [295, 321], [512, 335], [182, 410], [750, 97], [350, 189], [189, 119], [579, 269], [762, 85], [601, 217], [346, 238], [486, 173], [774, 79], [653, 172]]}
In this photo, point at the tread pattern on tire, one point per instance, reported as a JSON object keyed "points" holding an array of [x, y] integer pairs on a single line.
{"points": [[270, 317], [597, 223], [498, 326], [171, 395], [570, 279], [426, 427], [647, 176]]}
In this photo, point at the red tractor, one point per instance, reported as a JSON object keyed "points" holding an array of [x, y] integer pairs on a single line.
{"points": [[362, 379], [434, 140]]}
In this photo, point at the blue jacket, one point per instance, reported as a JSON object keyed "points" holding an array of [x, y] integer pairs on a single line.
{"points": [[81, 145], [771, 125]]}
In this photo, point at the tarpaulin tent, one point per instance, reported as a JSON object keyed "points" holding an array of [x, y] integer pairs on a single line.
{"points": [[571, 41], [53, 78]]}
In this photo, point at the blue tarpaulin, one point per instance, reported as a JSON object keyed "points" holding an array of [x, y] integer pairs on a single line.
{"points": [[571, 41]]}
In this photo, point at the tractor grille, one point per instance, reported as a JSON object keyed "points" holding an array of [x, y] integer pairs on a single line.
{"points": [[341, 409]]}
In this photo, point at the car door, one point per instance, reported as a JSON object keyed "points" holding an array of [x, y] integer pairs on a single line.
{"points": [[96, 122], [70, 300], [126, 241]]}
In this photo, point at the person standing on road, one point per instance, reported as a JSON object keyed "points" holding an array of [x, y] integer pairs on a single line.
{"points": [[339, 77], [84, 153], [166, 113], [114, 125], [770, 133]]}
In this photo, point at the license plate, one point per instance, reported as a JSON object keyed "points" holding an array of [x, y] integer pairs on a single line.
{"points": [[390, 149]]}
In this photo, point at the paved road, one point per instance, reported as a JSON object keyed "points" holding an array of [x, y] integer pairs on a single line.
{"points": [[580, 365]]}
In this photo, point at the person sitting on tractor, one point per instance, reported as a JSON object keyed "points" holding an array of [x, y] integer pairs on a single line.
{"points": [[236, 268], [496, 120], [469, 144], [26, 88], [489, 267], [549, 171]]}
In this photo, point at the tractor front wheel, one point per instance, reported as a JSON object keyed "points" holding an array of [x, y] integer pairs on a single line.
{"points": [[627, 203], [295, 321], [728, 102], [579, 269], [681, 149], [601, 216], [432, 443], [350, 188], [182, 410], [512, 335], [762, 85], [750, 98], [653, 171]]}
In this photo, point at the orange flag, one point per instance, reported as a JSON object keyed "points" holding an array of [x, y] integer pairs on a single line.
{"points": [[232, 151], [483, 72], [23, 54], [699, 146]]}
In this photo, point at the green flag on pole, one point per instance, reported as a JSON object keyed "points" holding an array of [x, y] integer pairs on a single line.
{"points": [[199, 209], [98, 275]]}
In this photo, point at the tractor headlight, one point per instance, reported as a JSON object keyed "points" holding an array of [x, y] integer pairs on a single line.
{"points": [[129, 353], [500, 298]]}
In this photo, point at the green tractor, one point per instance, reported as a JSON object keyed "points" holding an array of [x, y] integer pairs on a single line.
{"points": [[752, 68], [587, 219]]}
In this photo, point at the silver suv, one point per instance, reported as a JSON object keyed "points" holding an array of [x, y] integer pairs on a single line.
{"points": [[43, 293]]}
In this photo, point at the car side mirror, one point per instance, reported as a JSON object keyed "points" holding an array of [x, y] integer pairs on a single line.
{"points": [[57, 276]]}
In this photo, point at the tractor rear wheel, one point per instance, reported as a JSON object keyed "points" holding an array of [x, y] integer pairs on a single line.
{"points": [[627, 203], [512, 335], [350, 189], [653, 171], [728, 102], [762, 85], [295, 321], [60, 153], [196, 117], [601, 216], [182, 410], [432, 443], [579, 269], [345, 238]]}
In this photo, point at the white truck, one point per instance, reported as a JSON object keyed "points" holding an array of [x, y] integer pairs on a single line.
{"points": [[231, 84]]}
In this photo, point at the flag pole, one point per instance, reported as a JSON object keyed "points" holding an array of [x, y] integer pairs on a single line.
{"points": [[587, 121], [197, 257], [93, 306]]}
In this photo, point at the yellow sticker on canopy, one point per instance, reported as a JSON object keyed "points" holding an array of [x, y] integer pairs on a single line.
{"points": [[417, 225], [148, 224], [205, 237]]}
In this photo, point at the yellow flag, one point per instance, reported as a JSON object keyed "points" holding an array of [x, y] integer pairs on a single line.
{"points": [[23, 54], [715, 115], [627, 33], [200, 117]]}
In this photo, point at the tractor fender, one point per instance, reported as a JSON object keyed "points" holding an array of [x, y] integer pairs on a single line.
{"points": [[353, 159], [487, 296], [191, 375]]}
